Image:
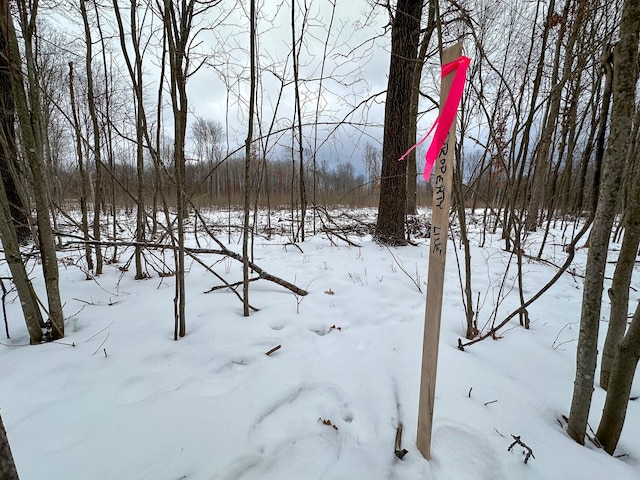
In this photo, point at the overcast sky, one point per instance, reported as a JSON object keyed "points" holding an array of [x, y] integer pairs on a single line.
{"points": [[343, 57], [354, 68]]}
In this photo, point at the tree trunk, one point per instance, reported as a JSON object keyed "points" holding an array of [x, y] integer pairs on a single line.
{"points": [[7, 466], [247, 160], [84, 180], [541, 156], [298, 115], [19, 215], [619, 291], [625, 75], [29, 115], [97, 149], [622, 373], [177, 24], [405, 37]]}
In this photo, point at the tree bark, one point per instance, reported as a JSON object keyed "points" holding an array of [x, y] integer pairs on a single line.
{"points": [[27, 106], [8, 150], [405, 37], [622, 373], [97, 148], [619, 291], [625, 75], [247, 160], [7, 466], [84, 180]]}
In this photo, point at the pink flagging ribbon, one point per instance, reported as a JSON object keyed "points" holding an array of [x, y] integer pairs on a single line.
{"points": [[448, 113]]}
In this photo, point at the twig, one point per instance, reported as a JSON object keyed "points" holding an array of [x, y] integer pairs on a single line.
{"points": [[103, 342], [4, 308], [274, 349], [399, 451], [98, 333], [404, 270], [528, 453]]}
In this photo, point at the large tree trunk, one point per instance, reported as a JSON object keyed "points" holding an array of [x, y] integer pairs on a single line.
{"points": [[622, 373], [625, 75], [405, 36]]}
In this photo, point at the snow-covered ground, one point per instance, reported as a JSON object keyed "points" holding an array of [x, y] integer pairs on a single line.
{"points": [[119, 399]]}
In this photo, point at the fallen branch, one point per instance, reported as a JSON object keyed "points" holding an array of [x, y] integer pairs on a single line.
{"points": [[274, 349], [528, 452], [224, 251]]}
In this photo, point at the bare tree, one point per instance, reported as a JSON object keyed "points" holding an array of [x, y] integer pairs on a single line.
{"points": [[84, 177], [178, 20], [248, 157], [625, 76], [26, 94], [405, 37], [97, 145]]}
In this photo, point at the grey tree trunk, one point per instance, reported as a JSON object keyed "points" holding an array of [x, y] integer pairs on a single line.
{"points": [[619, 291], [135, 68], [622, 373], [84, 179], [247, 161], [298, 115], [97, 148], [8, 232], [625, 75], [29, 116], [541, 157], [28, 299]]}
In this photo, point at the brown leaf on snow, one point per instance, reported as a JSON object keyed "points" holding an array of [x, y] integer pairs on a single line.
{"points": [[328, 423]]}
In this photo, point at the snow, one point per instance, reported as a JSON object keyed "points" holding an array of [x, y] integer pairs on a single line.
{"points": [[128, 402]]}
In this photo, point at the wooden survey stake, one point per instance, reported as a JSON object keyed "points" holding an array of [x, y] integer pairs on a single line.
{"points": [[443, 174]]}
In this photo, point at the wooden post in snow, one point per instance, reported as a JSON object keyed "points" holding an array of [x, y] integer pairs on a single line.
{"points": [[443, 173]]}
